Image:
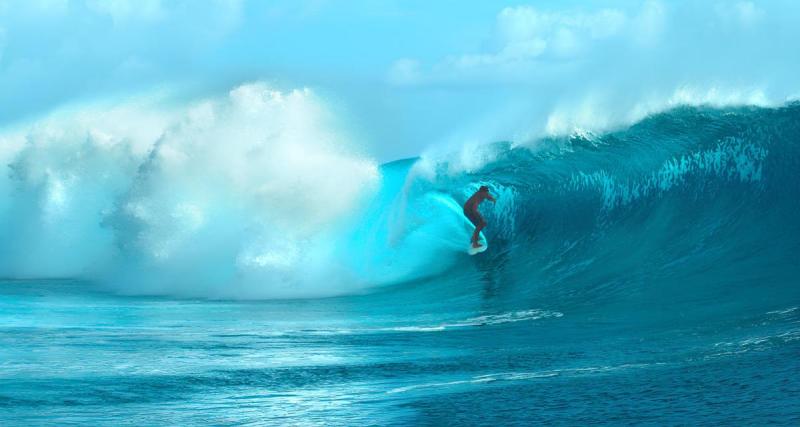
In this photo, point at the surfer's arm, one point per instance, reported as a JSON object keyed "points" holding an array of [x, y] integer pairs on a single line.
{"points": [[491, 199]]}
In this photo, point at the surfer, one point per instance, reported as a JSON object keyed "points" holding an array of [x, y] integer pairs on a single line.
{"points": [[471, 212]]}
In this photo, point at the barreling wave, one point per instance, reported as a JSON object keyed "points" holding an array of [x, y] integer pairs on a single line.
{"points": [[688, 205], [252, 196]]}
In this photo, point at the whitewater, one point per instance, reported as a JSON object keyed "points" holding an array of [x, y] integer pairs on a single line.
{"points": [[238, 260]]}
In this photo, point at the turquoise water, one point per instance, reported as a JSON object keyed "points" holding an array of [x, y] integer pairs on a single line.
{"points": [[72, 355], [645, 276]]}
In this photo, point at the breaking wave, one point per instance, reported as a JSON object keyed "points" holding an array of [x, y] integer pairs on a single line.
{"points": [[261, 194]]}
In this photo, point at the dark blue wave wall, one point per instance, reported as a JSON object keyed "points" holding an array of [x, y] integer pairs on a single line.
{"points": [[684, 213]]}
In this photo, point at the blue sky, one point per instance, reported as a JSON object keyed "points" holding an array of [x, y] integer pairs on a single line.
{"points": [[406, 75]]}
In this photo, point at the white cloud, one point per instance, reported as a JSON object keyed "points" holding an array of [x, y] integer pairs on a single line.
{"points": [[558, 72], [527, 33], [524, 36], [526, 23]]}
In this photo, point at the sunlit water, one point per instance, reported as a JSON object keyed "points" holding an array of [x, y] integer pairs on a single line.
{"points": [[73, 355]]}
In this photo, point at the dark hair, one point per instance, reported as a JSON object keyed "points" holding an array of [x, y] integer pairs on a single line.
{"points": [[483, 188]]}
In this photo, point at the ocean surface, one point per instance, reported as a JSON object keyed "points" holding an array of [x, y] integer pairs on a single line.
{"points": [[645, 276]]}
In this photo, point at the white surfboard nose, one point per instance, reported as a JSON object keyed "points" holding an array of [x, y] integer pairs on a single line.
{"points": [[473, 250]]}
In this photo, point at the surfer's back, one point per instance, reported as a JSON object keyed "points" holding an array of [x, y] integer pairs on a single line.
{"points": [[474, 201]]}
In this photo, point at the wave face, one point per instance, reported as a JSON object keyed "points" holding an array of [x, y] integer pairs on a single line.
{"points": [[689, 205], [251, 196]]}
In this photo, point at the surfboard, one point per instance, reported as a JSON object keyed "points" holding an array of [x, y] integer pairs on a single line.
{"points": [[471, 229], [468, 227], [479, 249], [481, 239]]}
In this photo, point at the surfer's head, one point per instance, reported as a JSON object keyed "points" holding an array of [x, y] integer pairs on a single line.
{"points": [[484, 188]]}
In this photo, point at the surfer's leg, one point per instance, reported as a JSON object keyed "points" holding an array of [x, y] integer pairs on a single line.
{"points": [[478, 229], [473, 217], [477, 220]]}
